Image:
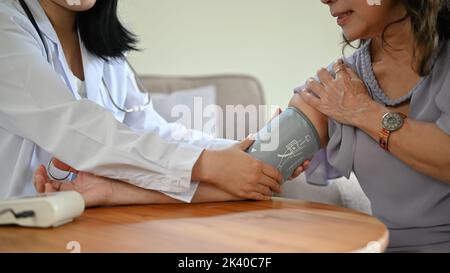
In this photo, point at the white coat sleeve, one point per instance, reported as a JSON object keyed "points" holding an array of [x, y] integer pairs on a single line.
{"points": [[150, 121], [35, 104]]}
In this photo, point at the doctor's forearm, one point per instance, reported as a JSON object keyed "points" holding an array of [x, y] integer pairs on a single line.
{"points": [[208, 193]]}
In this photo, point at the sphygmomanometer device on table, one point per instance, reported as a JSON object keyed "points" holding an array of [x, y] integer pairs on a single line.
{"points": [[42, 210]]}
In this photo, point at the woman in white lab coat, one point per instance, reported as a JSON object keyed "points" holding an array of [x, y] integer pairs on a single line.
{"points": [[65, 93]]}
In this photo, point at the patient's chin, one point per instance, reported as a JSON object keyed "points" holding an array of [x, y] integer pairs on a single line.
{"points": [[357, 30], [352, 34]]}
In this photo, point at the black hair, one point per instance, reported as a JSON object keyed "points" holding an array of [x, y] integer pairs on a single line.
{"points": [[102, 33]]}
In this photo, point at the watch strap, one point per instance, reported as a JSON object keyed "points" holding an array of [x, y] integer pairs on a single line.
{"points": [[385, 135]]}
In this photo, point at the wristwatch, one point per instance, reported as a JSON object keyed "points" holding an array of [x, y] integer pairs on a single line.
{"points": [[390, 123]]}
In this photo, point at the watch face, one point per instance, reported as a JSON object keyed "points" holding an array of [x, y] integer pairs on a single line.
{"points": [[392, 121]]}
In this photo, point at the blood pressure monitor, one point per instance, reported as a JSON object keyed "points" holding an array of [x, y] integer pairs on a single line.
{"points": [[43, 210]]}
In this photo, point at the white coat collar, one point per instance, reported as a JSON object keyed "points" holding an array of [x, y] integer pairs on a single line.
{"points": [[93, 68], [92, 65]]}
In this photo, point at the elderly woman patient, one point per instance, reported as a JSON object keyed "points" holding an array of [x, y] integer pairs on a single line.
{"points": [[385, 115], [382, 113]]}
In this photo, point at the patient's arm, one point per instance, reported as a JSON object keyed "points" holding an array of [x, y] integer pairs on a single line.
{"points": [[100, 191], [319, 120], [127, 194]]}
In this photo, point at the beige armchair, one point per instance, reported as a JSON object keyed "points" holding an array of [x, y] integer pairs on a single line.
{"points": [[246, 90], [230, 90]]}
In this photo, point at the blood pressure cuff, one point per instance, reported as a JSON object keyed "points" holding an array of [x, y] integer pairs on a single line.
{"points": [[286, 142]]}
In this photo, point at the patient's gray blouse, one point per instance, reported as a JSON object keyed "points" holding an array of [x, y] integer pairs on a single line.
{"points": [[414, 206]]}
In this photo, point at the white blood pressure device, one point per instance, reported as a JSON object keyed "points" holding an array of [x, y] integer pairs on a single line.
{"points": [[43, 210]]}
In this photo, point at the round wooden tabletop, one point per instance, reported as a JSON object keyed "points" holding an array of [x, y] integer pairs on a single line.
{"points": [[279, 225]]}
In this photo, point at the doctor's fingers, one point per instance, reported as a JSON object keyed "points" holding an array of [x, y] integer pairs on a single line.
{"points": [[258, 196], [264, 190], [276, 113], [270, 183], [297, 172], [300, 169], [271, 172]]}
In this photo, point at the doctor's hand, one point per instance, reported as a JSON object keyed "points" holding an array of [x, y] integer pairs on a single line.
{"points": [[238, 173]]}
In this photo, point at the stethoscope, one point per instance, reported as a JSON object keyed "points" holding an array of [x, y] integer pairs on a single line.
{"points": [[137, 108]]}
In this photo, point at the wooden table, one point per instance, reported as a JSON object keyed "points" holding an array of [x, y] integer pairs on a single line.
{"points": [[279, 225]]}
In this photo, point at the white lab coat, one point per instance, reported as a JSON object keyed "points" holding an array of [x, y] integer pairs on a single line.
{"points": [[42, 116]]}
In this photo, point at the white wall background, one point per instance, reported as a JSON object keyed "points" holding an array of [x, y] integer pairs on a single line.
{"points": [[281, 42]]}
